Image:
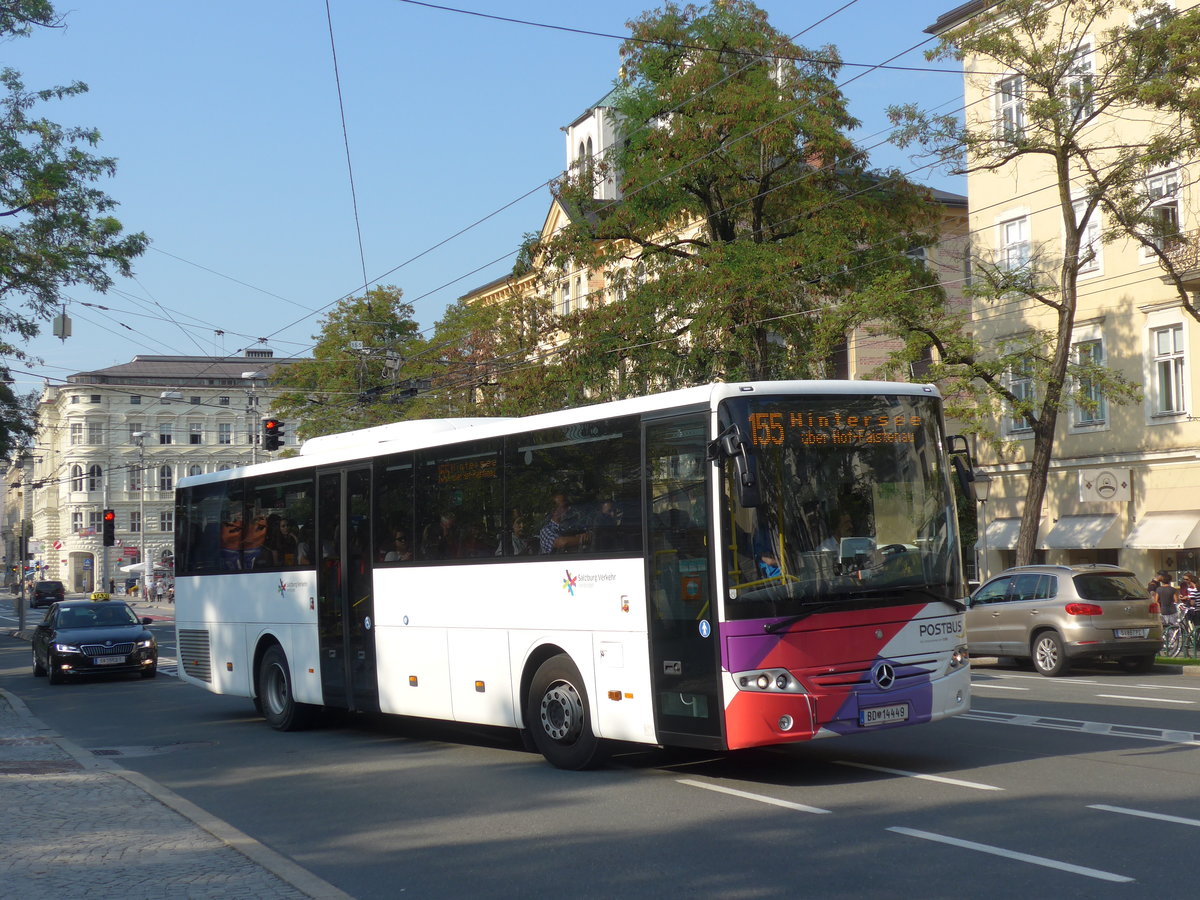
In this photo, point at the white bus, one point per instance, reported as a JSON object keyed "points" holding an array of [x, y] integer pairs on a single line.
{"points": [[727, 566]]}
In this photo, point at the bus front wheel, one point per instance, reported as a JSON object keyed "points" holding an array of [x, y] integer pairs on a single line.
{"points": [[558, 717], [275, 697]]}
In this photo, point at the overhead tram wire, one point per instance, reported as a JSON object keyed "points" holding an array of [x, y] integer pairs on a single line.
{"points": [[346, 141]]}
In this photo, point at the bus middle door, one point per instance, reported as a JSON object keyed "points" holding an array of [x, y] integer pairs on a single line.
{"points": [[346, 604]]}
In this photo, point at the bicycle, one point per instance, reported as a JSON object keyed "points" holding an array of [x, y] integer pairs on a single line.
{"points": [[1172, 644]]}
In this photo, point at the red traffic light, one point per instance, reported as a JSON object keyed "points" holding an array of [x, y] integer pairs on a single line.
{"points": [[110, 516]]}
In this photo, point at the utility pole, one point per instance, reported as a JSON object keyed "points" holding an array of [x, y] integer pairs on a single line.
{"points": [[140, 437]]}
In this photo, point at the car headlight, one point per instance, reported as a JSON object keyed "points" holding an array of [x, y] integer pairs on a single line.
{"points": [[65, 648], [148, 643]]}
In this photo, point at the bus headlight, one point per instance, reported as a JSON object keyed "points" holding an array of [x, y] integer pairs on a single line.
{"points": [[768, 681], [960, 657]]}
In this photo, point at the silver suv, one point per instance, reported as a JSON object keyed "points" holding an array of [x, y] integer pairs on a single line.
{"points": [[1057, 614]]}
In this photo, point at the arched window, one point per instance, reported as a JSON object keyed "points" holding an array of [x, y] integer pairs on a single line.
{"points": [[166, 479], [77, 478], [95, 474], [195, 470], [224, 466]]}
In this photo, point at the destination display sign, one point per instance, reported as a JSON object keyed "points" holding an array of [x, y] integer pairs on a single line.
{"points": [[773, 429]]}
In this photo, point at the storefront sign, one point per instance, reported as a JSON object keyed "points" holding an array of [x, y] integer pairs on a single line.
{"points": [[1105, 484]]}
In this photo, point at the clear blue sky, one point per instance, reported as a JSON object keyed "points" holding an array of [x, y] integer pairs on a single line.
{"points": [[224, 118]]}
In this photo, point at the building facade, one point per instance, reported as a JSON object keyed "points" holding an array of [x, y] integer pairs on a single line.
{"points": [[120, 438], [1124, 479]]}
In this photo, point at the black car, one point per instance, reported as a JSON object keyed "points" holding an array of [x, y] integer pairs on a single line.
{"points": [[46, 592], [86, 637]]}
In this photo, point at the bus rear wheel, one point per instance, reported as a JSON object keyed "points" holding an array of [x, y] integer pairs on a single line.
{"points": [[558, 717], [278, 703]]}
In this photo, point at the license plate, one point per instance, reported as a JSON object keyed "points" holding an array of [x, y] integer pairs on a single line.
{"points": [[1131, 632], [108, 660], [883, 715]]}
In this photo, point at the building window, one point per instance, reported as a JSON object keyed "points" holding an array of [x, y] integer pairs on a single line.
{"points": [[96, 398], [166, 520], [1014, 244], [196, 433], [1011, 100], [196, 401], [165, 433], [95, 478], [1089, 239], [1079, 84], [222, 401], [134, 400], [1168, 369], [95, 433], [74, 398], [135, 481], [166, 479], [94, 521], [1162, 193], [135, 429], [135, 521], [77, 521], [224, 467], [564, 298], [1020, 383], [224, 433], [77, 478], [195, 470], [76, 434], [1090, 407]]}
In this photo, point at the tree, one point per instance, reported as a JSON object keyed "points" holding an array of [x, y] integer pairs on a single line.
{"points": [[1078, 99], [56, 229], [750, 235], [368, 359]]}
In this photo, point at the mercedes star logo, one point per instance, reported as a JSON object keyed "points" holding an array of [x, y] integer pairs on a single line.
{"points": [[884, 675]]}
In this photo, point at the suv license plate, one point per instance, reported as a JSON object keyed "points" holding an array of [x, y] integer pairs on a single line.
{"points": [[109, 660], [1131, 632], [883, 715]]}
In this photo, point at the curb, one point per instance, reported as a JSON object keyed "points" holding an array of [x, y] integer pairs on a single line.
{"points": [[271, 861]]}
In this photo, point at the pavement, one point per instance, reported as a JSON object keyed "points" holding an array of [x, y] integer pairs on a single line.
{"points": [[76, 825]]}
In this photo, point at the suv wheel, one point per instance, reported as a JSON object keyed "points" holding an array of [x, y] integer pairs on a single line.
{"points": [[1049, 658]]}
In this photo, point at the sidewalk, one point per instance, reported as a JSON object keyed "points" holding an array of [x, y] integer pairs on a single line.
{"points": [[74, 825]]}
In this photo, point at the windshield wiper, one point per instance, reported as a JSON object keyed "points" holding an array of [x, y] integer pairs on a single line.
{"points": [[772, 627], [847, 601]]}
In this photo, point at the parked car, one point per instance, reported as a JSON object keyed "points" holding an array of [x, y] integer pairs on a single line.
{"points": [[82, 637], [43, 593], [1056, 615]]}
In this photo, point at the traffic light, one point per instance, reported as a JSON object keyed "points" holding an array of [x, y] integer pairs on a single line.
{"points": [[110, 528], [272, 433]]}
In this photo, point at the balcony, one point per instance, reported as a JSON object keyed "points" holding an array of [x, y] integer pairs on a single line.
{"points": [[1183, 251]]}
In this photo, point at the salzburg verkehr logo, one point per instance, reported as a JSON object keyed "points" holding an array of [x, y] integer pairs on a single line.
{"points": [[282, 588], [569, 582]]}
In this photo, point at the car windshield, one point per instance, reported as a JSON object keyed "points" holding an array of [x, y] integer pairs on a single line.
{"points": [[1096, 586], [856, 506], [96, 617]]}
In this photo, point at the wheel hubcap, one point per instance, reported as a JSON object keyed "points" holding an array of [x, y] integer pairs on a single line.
{"points": [[1047, 655], [562, 712], [275, 690]]}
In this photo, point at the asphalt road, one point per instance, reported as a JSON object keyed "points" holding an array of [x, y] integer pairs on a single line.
{"points": [[1076, 786]]}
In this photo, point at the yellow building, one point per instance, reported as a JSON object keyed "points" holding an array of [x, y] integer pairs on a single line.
{"points": [[1124, 478]]}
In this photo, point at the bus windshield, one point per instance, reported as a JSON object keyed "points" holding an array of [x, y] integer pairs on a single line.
{"points": [[854, 506]]}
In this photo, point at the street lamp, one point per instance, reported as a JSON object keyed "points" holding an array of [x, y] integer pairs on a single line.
{"points": [[251, 379], [140, 437], [983, 486]]}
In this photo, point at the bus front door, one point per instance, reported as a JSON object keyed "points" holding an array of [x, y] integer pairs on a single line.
{"points": [[685, 668], [345, 603]]}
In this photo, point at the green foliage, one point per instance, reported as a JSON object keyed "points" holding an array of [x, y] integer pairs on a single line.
{"points": [[750, 234], [56, 226], [341, 388]]}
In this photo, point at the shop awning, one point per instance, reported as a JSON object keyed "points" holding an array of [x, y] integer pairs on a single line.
{"points": [[1001, 534], [1165, 531], [1084, 533]]}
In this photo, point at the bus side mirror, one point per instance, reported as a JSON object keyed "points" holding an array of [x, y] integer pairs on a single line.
{"points": [[731, 445]]}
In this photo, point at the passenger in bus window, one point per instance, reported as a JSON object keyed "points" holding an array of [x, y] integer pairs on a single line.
{"points": [[280, 540], [401, 547], [561, 533], [516, 541], [605, 527], [440, 538]]}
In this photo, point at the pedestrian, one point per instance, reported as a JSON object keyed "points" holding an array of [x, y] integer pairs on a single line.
{"points": [[112, 586], [1167, 595], [171, 594]]}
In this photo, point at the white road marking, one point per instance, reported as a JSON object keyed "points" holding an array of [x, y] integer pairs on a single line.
{"points": [[1012, 854], [1041, 678], [1165, 687], [1177, 820], [996, 687], [761, 798], [939, 778], [1144, 699], [1108, 729]]}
